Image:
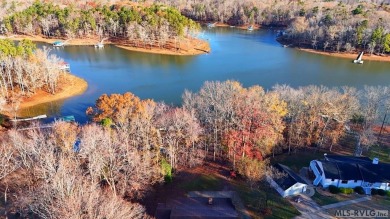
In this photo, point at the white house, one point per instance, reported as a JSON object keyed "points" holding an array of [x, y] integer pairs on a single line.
{"points": [[350, 172], [289, 183]]}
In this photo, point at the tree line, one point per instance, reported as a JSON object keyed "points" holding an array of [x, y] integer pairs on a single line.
{"points": [[70, 170], [152, 25], [345, 27], [24, 69], [328, 25]]}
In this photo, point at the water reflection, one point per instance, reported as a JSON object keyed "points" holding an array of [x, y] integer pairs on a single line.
{"points": [[249, 57], [52, 109]]}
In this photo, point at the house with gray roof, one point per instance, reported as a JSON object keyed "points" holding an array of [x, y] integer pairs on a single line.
{"points": [[350, 172], [288, 183]]}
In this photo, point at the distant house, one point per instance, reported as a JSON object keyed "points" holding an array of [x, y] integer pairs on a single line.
{"points": [[350, 172], [289, 183], [196, 208]]}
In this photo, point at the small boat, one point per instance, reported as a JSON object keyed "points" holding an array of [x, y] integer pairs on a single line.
{"points": [[210, 25], [64, 66], [100, 44], [58, 44], [359, 60], [250, 28], [69, 118]]}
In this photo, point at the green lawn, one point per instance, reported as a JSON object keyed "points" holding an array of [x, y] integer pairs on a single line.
{"points": [[203, 183], [297, 160], [324, 200], [381, 152], [254, 200], [257, 200]]}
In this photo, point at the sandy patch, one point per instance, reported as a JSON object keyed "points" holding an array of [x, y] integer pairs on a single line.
{"points": [[243, 27], [70, 86], [351, 56], [189, 46]]}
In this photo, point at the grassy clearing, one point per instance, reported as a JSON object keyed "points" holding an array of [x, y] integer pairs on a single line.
{"points": [[297, 160], [377, 203], [257, 200], [381, 152], [322, 200], [203, 183]]}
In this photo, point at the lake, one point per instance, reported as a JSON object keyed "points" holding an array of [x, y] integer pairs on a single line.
{"points": [[248, 57]]}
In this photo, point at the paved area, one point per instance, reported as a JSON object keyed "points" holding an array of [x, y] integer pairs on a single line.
{"points": [[310, 209], [223, 194], [349, 202], [310, 191]]}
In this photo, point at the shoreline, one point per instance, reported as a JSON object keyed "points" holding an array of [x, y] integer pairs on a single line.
{"points": [[242, 27], [351, 56], [71, 86], [193, 47]]}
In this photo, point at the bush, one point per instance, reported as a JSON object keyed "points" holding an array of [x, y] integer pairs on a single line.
{"points": [[388, 193], [333, 189], [359, 190], [346, 190], [302, 12], [374, 191], [358, 10], [106, 122], [166, 170], [381, 192]]}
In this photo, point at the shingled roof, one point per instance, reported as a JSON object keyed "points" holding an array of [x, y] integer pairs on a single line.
{"points": [[289, 179], [355, 168]]}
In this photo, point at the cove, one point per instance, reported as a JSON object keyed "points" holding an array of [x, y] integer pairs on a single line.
{"points": [[248, 57]]}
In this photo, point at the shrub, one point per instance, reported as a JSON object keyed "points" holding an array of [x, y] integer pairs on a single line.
{"points": [[388, 193], [381, 192], [106, 122], [166, 170], [358, 10], [359, 190], [333, 189], [374, 191], [302, 12], [346, 190]]}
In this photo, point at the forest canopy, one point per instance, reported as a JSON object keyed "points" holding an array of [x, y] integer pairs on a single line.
{"points": [[51, 20], [136, 144], [26, 69]]}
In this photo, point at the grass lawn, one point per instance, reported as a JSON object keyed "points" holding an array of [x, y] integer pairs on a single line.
{"points": [[254, 200], [203, 183], [376, 203], [297, 160], [381, 152], [257, 200], [324, 200]]}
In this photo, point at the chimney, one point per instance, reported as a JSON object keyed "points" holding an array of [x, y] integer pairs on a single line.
{"points": [[375, 160], [210, 201]]}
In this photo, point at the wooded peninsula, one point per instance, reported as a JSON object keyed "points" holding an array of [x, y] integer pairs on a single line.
{"points": [[132, 26]]}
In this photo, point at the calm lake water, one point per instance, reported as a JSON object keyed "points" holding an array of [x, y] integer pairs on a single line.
{"points": [[248, 57]]}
